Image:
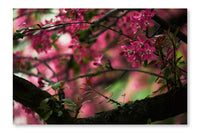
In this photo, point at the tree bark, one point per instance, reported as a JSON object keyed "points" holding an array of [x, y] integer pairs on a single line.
{"points": [[155, 108]]}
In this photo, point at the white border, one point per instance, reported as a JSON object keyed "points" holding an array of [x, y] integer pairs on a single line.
{"points": [[193, 64]]}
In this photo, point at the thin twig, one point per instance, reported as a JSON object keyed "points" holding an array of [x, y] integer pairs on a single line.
{"points": [[116, 69], [174, 52], [68, 24], [32, 74], [51, 58], [165, 26], [104, 96], [36, 59], [112, 24]]}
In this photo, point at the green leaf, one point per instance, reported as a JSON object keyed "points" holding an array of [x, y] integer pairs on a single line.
{"points": [[56, 86], [55, 46], [74, 15], [28, 64], [68, 13], [20, 29], [176, 32], [68, 101], [46, 25], [18, 35], [22, 24], [60, 113], [35, 33], [91, 14], [108, 100], [178, 44], [167, 72], [100, 102], [149, 121], [44, 105], [182, 63], [145, 63], [54, 36], [122, 104], [47, 115], [130, 52], [83, 35], [93, 39], [85, 15]]}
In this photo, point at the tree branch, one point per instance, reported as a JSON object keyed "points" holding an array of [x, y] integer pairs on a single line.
{"points": [[30, 96], [165, 26], [156, 108]]}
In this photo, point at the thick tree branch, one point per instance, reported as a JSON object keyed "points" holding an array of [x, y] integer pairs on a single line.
{"points": [[156, 108], [30, 96], [166, 25]]}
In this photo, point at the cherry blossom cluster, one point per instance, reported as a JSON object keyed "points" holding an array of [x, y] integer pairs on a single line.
{"points": [[136, 22], [41, 42], [73, 17], [80, 52], [83, 52], [137, 51]]}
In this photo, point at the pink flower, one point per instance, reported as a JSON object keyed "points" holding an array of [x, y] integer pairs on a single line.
{"points": [[97, 60], [41, 42], [136, 15], [41, 84], [136, 64], [147, 52]]}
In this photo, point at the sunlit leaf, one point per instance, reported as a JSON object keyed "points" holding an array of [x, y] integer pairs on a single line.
{"points": [[35, 33], [46, 25], [20, 29], [56, 86], [108, 100]]}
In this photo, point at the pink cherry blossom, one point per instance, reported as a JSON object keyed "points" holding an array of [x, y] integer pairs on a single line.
{"points": [[97, 60]]}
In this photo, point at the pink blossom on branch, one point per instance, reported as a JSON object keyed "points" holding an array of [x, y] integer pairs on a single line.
{"points": [[136, 22], [41, 41], [97, 60], [137, 51]]}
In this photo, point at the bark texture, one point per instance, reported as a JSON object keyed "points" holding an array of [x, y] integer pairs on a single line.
{"points": [[155, 108]]}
